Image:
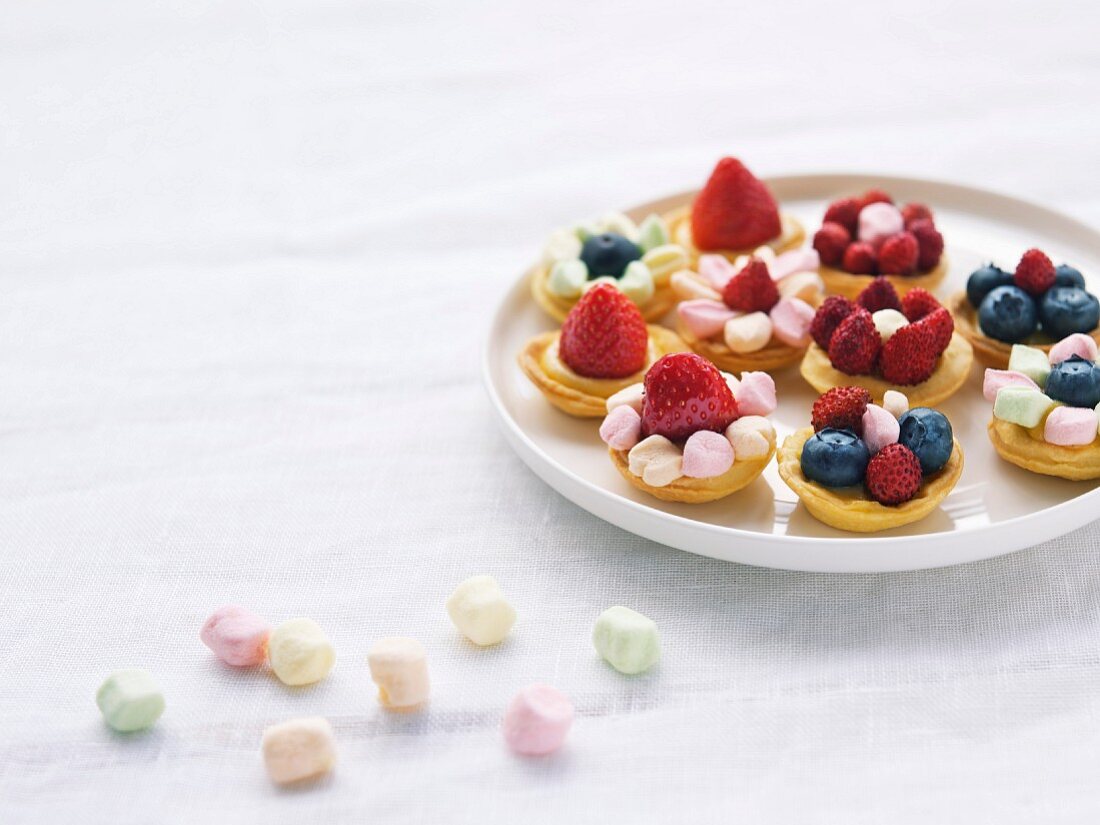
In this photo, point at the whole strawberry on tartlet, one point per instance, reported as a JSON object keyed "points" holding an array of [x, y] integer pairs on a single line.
{"points": [[861, 237], [689, 432], [732, 215], [881, 341], [1038, 304], [604, 346], [863, 468]]}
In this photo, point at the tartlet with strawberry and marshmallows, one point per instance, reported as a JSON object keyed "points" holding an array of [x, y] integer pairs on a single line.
{"points": [[690, 433], [863, 468], [881, 341], [867, 236], [733, 214], [604, 346], [753, 314]]}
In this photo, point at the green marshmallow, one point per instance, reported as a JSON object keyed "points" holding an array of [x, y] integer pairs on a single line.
{"points": [[567, 278], [637, 283], [652, 233], [665, 260], [1025, 406], [627, 640], [130, 700], [620, 224], [1032, 362], [584, 231]]}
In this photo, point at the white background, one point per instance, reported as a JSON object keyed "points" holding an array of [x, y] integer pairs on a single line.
{"points": [[248, 253]]}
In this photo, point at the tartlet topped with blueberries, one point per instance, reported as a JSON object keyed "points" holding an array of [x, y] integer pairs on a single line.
{"points": [[863, 468], [1037, 304]]}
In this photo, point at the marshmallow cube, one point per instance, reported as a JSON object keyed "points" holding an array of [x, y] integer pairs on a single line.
{"points": [[479, 610], [537, 720], [1070, 426], [399, 666], [894, 402], [130, 700], [237, 636], [1076, 344], [298, 749], [627, 640], [1032, 362], [1021, 405], [300, 653]]}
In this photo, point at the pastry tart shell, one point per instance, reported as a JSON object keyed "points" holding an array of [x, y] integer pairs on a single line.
{"points": [[839, 282], [791, 235], [557, 307], [850, 508], [775, 355], [1025, 448]]}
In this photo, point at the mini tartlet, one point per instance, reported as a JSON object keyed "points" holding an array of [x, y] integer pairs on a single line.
{"points": [[865, 468], [1037, 304], [732, 215], [637, 259], [1046, 409], [882, 342], [867, 236], [604, 346], [689, 432], [753, 314]]}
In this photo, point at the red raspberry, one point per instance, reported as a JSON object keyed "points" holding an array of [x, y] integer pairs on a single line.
{"points": [[1035, 272], [855, 345], [942, 325], [898, 254], [841, 408], [752, 289], [735, 210], [604, 335], [909, 357], [860, 259], [893, 475], [685, 393], [929, 243], [845, 212], [917, 303], [874, 196], [916, 212], [830, 241], [879, 294], [828, 317]]}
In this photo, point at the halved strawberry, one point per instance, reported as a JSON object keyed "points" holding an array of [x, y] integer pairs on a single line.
{"points": [[604, 335], [685, 393], [917, 303], [735, 210], [752, 289], [910, 355], [879, 294], [942, 325], [855, 345]]}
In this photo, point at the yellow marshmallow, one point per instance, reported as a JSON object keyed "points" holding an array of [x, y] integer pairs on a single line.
{"points": [[300, 653], [480, 611]]}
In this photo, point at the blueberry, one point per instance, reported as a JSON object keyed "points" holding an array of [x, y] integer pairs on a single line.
{"points": [[608, 254], [1066, 275], [1068, 309], [1075, 382], [928, 434], [835, 458], [984, 279], [1008, 314]]}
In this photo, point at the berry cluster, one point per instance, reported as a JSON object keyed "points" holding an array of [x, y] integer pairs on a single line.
{"points": [[870, 236]]}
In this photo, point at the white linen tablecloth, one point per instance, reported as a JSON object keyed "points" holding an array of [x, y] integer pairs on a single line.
{"points": [[249, 253]]}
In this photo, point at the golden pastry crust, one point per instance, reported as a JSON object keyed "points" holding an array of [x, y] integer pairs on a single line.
{"points": [[990, 351], [851, 508], [791, 235], [698, 490], [1026, 448], [951, 373], [839, 282], [587, 398], [775, 355], [655, 308]]}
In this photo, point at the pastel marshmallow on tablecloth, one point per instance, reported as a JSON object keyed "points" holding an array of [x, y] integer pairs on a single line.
{"points": [[703, 318], [755, 394], [1021, 405], [630, 396], [716, 271], [627, 640], [1032, 362], [399, 666], [656, 460], [622, 428], [994, 380], [300, 652], [748, 333], [707, 454], [298, 749], [1076, 344], [130, 700], [806, 286], [878, 221], [795, 261], [480, 611], [1071, 426], [687, 287], [896, 403], [887, 322], [537, 720], [751, 437], [237, 636], [791, 319], [880, 428]]}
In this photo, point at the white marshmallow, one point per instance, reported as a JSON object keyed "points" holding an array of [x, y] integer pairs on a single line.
{"points": [[298, 749], [399, 666]]}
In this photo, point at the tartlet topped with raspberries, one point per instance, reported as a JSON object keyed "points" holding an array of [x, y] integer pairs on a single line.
{"points": [[1038, 304], [732, 215], [862, 467], [689, 432], [881, 341], [861, 237], [603, 346]]}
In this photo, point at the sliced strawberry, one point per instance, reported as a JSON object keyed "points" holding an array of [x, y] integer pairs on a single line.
{"points": [[942, 325], [909, 356], [604, 335], [685, 393], [855, 345], [841, 408], [917, 303], [879, 294], [752, 289], [828, 317], [735, 210]]}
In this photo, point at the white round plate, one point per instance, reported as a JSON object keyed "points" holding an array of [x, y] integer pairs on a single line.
{"points": [[996, 508]]}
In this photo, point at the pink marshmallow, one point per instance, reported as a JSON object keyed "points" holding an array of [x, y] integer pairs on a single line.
{"points": [[1070, 426], [703, 318], [706, 455], [622, 428], [755, 395], [791, 319], [1076, 344], [995, 379], [795, 260], [716, 270], [878, 221], [237, 636], [880, 428], [537, 720]]}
